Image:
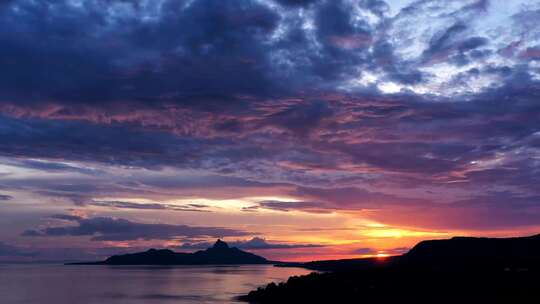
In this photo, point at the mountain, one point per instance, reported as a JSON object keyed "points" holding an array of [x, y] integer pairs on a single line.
{"points": [[343, 265], [454, 253], [462, 252], [219, 254], [457, 270]]}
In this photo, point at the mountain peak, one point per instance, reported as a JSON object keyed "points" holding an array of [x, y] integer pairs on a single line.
{"points": [[219, 244], [219, 254]]}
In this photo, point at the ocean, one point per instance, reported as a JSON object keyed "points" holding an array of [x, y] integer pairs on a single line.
{"points": [[59, 284]]}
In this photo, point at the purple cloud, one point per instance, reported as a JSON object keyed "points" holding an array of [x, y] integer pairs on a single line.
{"points": [[116, 229], [7, 250], [255, 243], [149, 206], [4, 197], [426, 113]]}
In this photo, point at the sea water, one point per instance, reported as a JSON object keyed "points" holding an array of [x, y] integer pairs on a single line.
{"points": [[60, 284]]}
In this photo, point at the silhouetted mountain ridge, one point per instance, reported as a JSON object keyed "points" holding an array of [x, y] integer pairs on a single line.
{"points": [[456, 270], [523, 252], [219, 254]]}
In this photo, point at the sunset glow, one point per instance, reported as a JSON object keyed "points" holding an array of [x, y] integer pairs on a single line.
{"points": [[299, 130]]}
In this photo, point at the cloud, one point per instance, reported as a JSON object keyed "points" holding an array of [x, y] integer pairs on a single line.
{"points": [[139, 54], [50, 135], [149, 206], [296, 2], [365, 251], [315, 207], [67, 217], [301, 119], [7, 250], [4, 197], [31, 233], [255, 243], [340, 105], [142, 53], [439, 43], [116, 229], [356, 198], [373, 251], [485, 212], [48, 166]]}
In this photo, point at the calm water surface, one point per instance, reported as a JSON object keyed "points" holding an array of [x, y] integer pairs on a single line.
{"points": [[58, 284]]}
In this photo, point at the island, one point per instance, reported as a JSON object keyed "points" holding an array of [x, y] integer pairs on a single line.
{"points": [[456, 270], [219, 254]]}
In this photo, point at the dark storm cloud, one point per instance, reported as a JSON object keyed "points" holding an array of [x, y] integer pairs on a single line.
{"points": [[451, 46], [301, 119], [116, 229], [440, 42], [255, 243], [344, 41], [142, 53], [116, 51], [74, 140], [121, 57], [296, 2], [405, 139], [262, 94]]}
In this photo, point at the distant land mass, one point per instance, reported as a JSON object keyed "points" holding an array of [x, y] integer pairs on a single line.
{"points": [[457, 270], [219, 254]]}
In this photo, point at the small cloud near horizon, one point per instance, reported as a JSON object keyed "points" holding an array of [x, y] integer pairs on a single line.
{"points": [[255, 243]]}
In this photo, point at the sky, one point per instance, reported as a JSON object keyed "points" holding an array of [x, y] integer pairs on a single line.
{"points": [[296, 129]]}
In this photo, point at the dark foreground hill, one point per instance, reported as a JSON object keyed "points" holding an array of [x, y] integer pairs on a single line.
{"points": [[468, 252], [458, 270], [219, 254]]}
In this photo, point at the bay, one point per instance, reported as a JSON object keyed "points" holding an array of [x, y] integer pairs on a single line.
{"points": [[60, 284]]}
